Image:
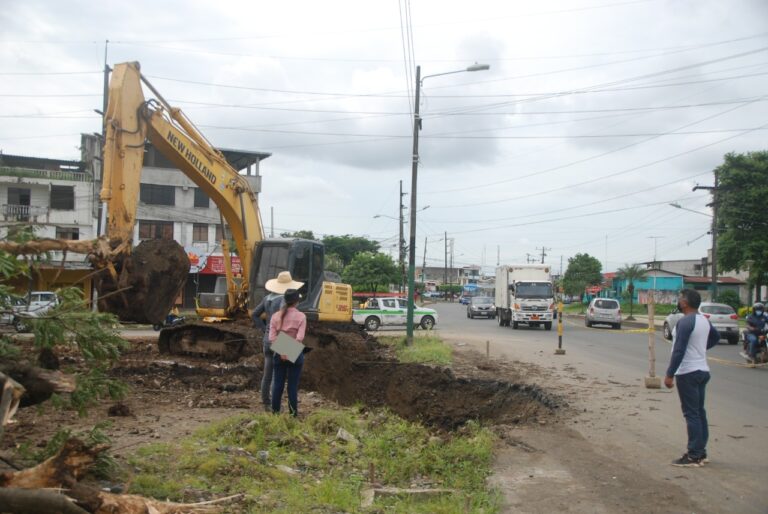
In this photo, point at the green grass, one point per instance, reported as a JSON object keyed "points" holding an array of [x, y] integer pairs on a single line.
{"points": [[426, 349], [221, 459]]}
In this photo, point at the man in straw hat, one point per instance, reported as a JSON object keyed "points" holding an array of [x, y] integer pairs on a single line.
{"points": [[262, 315]]}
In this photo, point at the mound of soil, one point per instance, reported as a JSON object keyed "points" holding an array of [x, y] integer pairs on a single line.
{"points": [[350, 368], [154, 273]]}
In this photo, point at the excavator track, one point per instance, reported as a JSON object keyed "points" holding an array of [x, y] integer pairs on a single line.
{"points": [[227, 341]]}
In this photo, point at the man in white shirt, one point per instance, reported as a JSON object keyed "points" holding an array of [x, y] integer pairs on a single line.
{"points": [[693, 336]]}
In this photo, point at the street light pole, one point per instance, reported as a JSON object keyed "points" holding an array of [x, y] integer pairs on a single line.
{"points": [[414, 181]]}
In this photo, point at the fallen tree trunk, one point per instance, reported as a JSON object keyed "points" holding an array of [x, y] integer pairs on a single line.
{"points": [[62, 471], [36, 501], [39, 383]]}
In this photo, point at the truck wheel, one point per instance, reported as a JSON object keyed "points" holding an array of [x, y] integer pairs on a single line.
{"points": [[427, 322], [156, 327], [514, 325], [372, 323], [587, 323], [547, 325]]}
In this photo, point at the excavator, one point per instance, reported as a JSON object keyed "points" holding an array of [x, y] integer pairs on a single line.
{"points": [[140, 284]]}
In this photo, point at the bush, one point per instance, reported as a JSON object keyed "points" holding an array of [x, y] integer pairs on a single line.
{"points": [[730, 298]]}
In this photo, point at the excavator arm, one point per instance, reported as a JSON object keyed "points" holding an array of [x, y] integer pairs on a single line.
{"points": [[130, 120]]}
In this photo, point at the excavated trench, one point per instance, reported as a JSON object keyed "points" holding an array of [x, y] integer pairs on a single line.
{"points": [[350, 370]]}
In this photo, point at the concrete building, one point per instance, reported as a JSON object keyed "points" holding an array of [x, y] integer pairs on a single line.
{"points": [[55, 198]]}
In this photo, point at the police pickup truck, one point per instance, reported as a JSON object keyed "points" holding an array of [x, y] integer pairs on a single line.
{"points": [[391, 312]]}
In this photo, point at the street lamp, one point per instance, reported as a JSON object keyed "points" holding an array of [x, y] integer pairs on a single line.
{"points": [[714, 231], [414, 180]]}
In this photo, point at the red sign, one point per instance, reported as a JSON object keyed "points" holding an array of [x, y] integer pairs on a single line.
{"points": [[214, 265], [593, 289]]}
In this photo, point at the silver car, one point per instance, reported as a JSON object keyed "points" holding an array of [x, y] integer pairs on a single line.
{"points": [[603, 311], [722, 317]]}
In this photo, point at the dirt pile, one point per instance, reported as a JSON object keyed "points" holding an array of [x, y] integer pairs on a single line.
{"points": [[154, 275], [351, 369]]}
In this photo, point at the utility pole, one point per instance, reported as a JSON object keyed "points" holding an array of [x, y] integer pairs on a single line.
{"points": [[713, 189], [445, 266], [401, 242], [498, 255], [271, 222], [424, 264], [450, 277], [543, 252]]}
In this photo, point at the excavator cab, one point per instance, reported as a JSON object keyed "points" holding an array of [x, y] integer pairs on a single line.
{"points": [[302, 257]]}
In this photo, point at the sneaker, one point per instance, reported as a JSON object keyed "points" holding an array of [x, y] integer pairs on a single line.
{"points": [[688, 462]]}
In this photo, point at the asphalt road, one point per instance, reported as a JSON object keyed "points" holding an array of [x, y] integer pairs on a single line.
{"points": [[610, 366]]}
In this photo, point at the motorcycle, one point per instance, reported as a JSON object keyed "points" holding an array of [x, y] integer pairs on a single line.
{"points": [[171, 320], [761, 357]]}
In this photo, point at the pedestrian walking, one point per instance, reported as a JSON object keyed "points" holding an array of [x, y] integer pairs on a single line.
{"points": [[692, 336], [292, 321], [262, 316]]}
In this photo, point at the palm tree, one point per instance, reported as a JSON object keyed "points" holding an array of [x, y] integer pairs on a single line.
{"points": [[631, 273]]}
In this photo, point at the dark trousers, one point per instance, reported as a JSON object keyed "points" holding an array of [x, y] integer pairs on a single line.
{"points": [[291, 371], [692, 387], [752, 340], [266, 379]]}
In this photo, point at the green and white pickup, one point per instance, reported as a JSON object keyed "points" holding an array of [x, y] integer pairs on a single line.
{"points": [[391, 312]]}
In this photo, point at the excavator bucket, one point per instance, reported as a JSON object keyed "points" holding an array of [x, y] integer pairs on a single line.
{"points": [[149, 280]]}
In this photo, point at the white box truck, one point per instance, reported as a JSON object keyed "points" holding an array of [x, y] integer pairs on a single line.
{"points": [[524, 294]]}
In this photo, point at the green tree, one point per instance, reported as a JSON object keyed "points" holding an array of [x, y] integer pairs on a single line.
{"points": [[729, 298], [742, 226], [347, 246], [583, 270], [369, 270], [71, 324], [299, 234], [631, 273]]}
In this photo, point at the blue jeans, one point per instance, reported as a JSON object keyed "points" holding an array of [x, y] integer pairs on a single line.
{"points": [[752, 340], [692, 387], [266, 379], [291, 371]]}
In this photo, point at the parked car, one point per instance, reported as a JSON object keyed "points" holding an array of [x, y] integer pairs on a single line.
{"points": [[9, 305], [722, 317], [603, 311], [481, 306], [465, 299], [40, 302], [392, 311]]}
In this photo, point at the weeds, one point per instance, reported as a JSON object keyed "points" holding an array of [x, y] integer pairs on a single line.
{"points": [[427, 349], [324, 473]]}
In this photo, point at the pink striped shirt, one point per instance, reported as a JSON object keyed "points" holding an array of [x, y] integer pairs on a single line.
{"points": [[291, 321]]}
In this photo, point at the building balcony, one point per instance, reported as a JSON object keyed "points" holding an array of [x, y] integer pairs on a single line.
{"points": [[72, 176], [24, 213]]}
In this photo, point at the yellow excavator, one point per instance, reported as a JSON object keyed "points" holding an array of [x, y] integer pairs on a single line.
{"points": [[130, 120]]}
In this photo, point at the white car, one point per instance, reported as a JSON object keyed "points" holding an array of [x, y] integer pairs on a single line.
{"points": [[40, 302], [392, 311], [722, 317], [10, 306]]}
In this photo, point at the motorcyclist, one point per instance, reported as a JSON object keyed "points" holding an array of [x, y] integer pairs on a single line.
{"points": [[756, 325]]}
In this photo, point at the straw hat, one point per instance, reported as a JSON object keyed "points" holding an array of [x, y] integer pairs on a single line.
{"points": [[282, 283]]}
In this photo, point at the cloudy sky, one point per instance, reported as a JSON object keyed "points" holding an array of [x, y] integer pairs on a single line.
{"points": [[594, 116]]}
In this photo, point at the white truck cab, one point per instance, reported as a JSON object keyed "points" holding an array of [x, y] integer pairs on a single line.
{"points": [[524, 294]]}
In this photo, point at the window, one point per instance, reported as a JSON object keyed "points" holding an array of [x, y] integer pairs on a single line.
{"points": [[606, 304], [67, 233], [18, 196], [389, 304], [201, 199], [63, 198], [218, 236], [155, 229], [155, 194], [200, 233]]}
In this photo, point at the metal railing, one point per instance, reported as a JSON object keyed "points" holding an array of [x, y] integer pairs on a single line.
{"points": [[74, 176], [13, 212]]}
